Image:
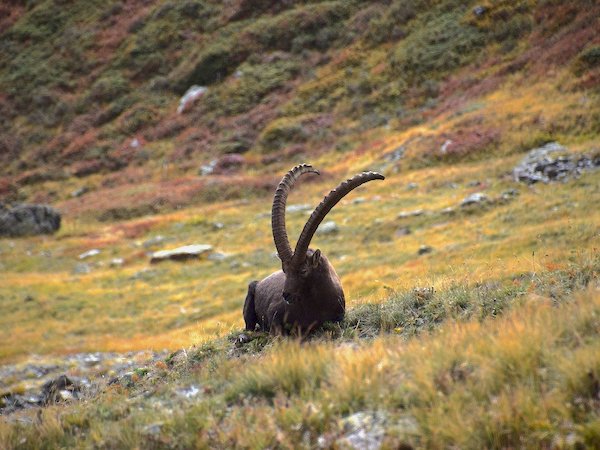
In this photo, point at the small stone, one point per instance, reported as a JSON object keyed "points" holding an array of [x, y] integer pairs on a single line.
{"points": [[407, 214], [190, 96], [218, 257], [297, 208], [188, 392], [65, 395], [412, 186], [89, 253], [144, 275], [363, 430], [395, 155], [448, 211], [207, 169], [329, 227], [511, 193], [92, 359], [79, 192], [159, 239], [358, 200], [242, 339], [479, 10], [403, 231], [424, 249], [445, 145], [82, 268], [153, 429], [117, 262], [60, 388], [474, 199]]}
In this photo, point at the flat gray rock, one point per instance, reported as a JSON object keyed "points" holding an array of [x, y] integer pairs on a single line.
{"points": [[477, 198], [181, 253]]}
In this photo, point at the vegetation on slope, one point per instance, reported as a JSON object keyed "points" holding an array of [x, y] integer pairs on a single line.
{"points": [[528, 378], [286, 81]]}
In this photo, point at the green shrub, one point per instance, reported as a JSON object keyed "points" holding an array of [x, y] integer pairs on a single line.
{"points": [[310, 26], [211, 65], [589, 58], [255, 81], [282, 132], [108, 87], [443, 43], [137, 119], [45, 20], [391, 23]]}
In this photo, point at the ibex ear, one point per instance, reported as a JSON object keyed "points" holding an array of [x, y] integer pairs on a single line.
{"points": [[315, 259]]}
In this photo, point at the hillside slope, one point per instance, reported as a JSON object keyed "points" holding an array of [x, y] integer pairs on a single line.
{"points": [[90, 92]]}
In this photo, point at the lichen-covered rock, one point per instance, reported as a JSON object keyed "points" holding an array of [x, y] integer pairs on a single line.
{"points": [[552, 162], [59, 389], [28, 220], [363, 430]]}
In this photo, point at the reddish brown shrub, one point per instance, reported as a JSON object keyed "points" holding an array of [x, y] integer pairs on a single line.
{"points": [[230, 163], [465, 142]]}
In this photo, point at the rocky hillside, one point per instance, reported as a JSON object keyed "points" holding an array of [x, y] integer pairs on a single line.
{"points": [[92, 94]]}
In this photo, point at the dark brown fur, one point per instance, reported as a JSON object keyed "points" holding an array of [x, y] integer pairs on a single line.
{"points": [[313, 297], [308, 291]]}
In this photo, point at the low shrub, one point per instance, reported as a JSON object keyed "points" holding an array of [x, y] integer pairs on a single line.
{"points": [[443, 43], [108, 87]]}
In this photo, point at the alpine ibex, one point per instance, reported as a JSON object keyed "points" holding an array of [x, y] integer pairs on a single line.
{"points": [[307, 291]]}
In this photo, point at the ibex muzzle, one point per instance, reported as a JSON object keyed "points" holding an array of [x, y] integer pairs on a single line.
{"points": [[307, 291]]}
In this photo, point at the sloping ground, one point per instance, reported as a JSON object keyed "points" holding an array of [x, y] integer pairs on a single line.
{"points": [[91, 92], [92, 304], [526, 379]]}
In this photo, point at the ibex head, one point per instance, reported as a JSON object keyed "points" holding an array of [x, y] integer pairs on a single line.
{"points": [[307, 291]]}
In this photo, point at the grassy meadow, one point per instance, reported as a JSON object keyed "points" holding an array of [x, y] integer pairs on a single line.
{"points": [[488, 338]]}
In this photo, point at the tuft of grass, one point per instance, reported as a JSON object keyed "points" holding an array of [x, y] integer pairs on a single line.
{"points": [[292, 374]]}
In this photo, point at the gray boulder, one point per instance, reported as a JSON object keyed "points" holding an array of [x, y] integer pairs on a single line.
{"points": [[552, 162], [28, 220]]}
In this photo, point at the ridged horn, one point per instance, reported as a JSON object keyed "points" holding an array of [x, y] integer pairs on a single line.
{"points": [[324, 207], [282, 243]]}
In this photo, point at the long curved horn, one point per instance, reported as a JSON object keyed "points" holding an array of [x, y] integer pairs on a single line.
{"points": [[324, 207], [280, 237]]}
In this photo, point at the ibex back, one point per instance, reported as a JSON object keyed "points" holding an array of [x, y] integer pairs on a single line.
{"points": [[307, 291]]}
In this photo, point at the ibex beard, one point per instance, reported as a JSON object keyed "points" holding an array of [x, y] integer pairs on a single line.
{"points": [[307, 291]]}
